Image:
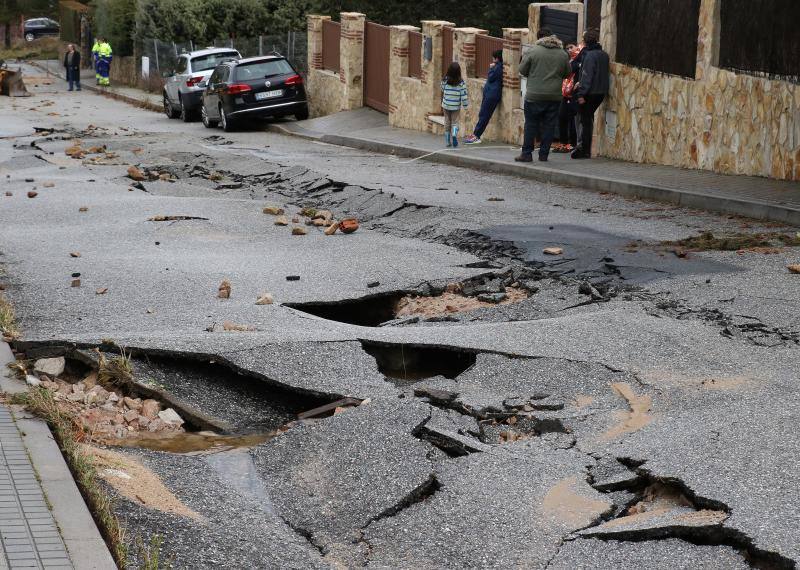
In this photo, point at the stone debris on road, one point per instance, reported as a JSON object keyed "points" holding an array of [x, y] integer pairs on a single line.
{"points": [[224, 289]]}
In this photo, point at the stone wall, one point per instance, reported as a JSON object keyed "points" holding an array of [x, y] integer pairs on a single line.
{"points": [[721, 121]]}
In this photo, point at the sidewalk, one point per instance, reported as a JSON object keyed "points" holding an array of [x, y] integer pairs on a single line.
{"points": [[367, 129], [44, 522], [749, 196]]}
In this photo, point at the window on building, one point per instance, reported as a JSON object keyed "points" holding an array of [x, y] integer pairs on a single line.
{"points": [[660, 36]]}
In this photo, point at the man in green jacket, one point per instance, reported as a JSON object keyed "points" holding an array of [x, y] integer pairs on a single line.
{"points": [[545, 66]]}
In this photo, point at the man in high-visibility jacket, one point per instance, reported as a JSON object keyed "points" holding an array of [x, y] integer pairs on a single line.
{"points": [[104, 64], [96, 58]]}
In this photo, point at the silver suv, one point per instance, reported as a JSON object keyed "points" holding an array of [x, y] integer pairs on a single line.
{"points": [[183, 88]]}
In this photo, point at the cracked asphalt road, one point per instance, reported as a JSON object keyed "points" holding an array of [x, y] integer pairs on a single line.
{"points": [[504, 472]]}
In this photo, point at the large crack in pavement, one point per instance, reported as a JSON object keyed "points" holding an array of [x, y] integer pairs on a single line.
{"points": [[512, 460]]}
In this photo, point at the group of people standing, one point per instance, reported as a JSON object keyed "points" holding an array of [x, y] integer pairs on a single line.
{"points": [[564, 88], [101, 56]]}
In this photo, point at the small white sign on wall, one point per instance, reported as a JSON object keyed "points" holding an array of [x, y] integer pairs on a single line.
{"points": [[611, 125], [145, 67]]}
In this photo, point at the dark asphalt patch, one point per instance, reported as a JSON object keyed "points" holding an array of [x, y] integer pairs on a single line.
{"points": [[597, 255]]}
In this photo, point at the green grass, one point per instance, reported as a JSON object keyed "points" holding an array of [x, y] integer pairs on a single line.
{"points": [[149, 554], [69, 435], [8, 322], [115, 371], [707, 241]]}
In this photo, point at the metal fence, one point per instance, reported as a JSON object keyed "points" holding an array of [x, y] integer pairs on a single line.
{"points": [[660, 36], [331, 34], [760, 37], [484, 47], [415, 54], [163, 56]]}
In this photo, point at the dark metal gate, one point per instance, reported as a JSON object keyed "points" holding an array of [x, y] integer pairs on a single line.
{"points": [[593, 11], [376, 67], [562, 23]]}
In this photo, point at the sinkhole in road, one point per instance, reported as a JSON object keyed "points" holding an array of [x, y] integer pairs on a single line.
{"points": [[369, 311], [222, 407], [406, 364], [430, 303]]}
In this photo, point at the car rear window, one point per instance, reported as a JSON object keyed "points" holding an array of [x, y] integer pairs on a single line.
{"points": [[210, 61], [261, 69]]}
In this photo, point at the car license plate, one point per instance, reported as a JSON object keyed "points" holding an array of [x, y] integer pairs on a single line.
{"points": [[268, 94]]}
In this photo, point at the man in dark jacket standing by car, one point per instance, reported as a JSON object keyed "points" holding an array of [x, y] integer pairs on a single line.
{"points": [[72, 64], [592, 89], [545, 66]]}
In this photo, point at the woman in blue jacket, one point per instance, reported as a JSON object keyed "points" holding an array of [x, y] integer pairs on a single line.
{"points": [[492, 92]]}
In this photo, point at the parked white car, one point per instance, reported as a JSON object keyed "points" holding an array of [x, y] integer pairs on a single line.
{"points": [[183, 88]]}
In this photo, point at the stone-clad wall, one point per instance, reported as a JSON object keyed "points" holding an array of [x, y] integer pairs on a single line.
{"points": [[722, 121]]}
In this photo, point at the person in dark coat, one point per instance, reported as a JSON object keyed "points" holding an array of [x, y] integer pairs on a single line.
{"points": [[492, 92], [72, 63], [592, 88]]}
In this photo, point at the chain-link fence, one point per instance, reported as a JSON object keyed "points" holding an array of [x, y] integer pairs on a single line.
{"points": [[163, 56]]}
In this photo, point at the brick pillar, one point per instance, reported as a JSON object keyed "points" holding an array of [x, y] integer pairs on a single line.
{"points": [[432, 69], [606, 117], [398, 61], [511, 105], [464, 49], [351, 59], [512, 51], [314, 25]]}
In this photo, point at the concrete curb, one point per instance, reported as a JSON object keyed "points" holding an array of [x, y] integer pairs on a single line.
{"points": [[688, 199], [83, 540]]}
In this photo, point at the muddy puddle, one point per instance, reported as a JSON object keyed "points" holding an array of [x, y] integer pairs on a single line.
{"points": [[590, 254], [193, 442]]}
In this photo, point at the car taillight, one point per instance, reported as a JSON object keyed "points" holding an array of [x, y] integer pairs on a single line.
{"points": [[294, 80], [192, 81], [237, 88]]}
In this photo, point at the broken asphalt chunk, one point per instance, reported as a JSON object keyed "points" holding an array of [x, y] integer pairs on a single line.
{"points": [[224, 289], [135, 173], [328, 409]]}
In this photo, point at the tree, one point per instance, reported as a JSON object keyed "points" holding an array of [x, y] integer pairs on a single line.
{"points": [[114, 20], [12, 12]]}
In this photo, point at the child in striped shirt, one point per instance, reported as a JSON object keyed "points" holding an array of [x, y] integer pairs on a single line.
{"points": [[454, 96]]}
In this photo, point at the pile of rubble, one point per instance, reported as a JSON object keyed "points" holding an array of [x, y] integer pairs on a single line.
{"points": [[313, 217], [104, 413]]}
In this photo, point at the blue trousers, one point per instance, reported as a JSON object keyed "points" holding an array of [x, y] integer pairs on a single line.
{"points": [[540, 120], [488, 107]]}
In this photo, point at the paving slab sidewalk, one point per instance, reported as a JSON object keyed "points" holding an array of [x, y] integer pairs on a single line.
{"points": [[367, 129], [44, 521]]}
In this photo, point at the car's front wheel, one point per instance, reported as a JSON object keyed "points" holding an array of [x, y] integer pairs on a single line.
{"points": [[168, 110], [207, 123], [227, 123], [30, 37]]}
